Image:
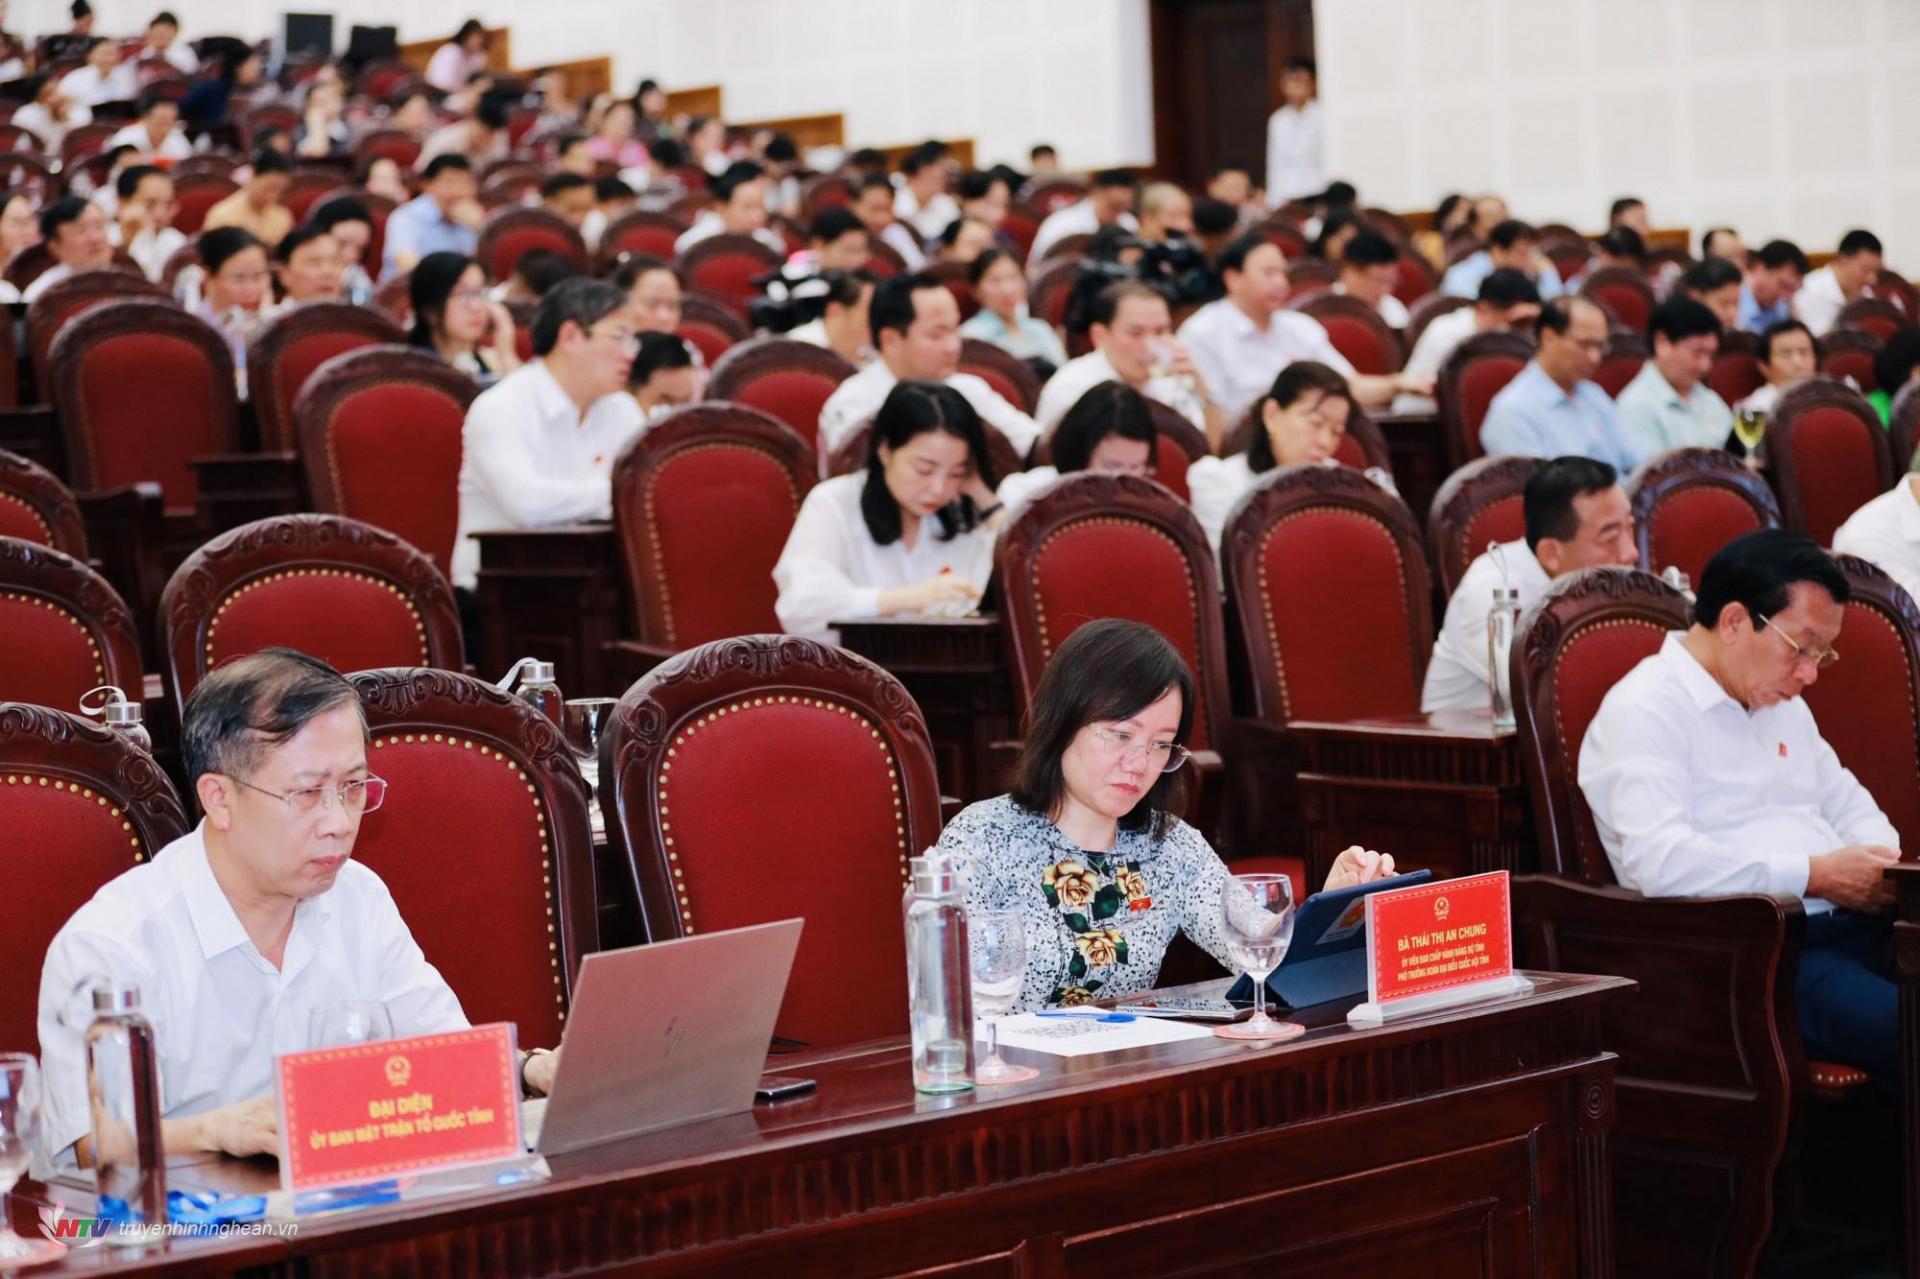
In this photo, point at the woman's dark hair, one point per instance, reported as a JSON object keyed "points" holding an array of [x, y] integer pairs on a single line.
{"points": [[1338, 219], [1109, 408], [1107, 670], [1294, 381], [471, 27], [221, 245], [432, 282], [634, 265], [911, 409], [988, 259]]}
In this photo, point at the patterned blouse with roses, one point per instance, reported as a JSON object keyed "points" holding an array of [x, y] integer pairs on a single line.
{"points": [[1098, 924]]}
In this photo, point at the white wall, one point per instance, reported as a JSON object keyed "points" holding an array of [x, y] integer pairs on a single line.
{"points": [[1777, 117], [1007, 73]]}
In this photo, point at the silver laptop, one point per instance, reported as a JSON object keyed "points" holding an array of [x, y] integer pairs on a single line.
{"points": [[665, 1034]]}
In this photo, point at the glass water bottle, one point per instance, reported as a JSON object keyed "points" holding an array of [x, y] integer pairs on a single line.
{"points": [[939, 991]]}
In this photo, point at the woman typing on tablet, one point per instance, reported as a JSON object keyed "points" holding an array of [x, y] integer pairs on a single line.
{"points": [[1087, 844]]}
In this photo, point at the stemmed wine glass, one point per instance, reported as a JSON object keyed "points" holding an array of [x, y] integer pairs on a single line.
{"points": [[354, 1022], [19, 1114], [1257, 911], [586, 719], [997, 942]]}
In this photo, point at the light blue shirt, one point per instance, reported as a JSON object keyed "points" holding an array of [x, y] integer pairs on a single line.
{"points": [[1033, 340], [1654, 417], [1533, 416], [419, 227], [1464, 278], [1755, 318]]}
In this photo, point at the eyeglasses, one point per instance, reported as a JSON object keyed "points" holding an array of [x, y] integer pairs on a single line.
{"points": [[1820, 657], [625, 339], [468, 295], [361, 795], [1165, 756]]}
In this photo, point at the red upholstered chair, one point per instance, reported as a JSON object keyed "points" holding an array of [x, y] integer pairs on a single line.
{"points": [[1180, 445], [511, 181], [1873, 315], [196, 193], [1569, 256], [283, 357], [86, 140], [63, 629], [351, 594], [1688, 503], [1479, 503], [28, 265], [511, 233], [1009, 375], [1050, 195], [70, 297], [711, 326], [141, 388], [1050, 287], [306, 187], [884, 261], [726, 267], [1736, 372], [1310, 277], [691, 578], [953, 278], [390, 144], [1623, 293], [1476, 371], [379, 430], [1626, 353], [1424, 312], [787, 379], [836, 756], [1899, 290], [1358, 332], [36, 507], [1067, 246], [518, 860], [273, 115], [1415, 278], [1285, 233], [80, 804], [650, 234], [824, 191], [1829, 453], [1850, 353]]}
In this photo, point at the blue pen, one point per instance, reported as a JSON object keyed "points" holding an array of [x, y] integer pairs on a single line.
{"points": [[1090, 1015]]}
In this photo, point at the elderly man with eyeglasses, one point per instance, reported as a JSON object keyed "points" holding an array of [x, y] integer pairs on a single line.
{"points": [[237, 932], [1706, 775]]}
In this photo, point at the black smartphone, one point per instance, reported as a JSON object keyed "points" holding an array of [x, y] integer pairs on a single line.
{"points": [[781, 1087]]}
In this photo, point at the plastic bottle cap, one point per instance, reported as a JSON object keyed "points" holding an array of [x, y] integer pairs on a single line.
{"points": [[530, 670], [935, 875], [116, 997]]}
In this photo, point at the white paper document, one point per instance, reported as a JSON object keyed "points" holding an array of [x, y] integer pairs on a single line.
{"points": [[1084, 1036]]}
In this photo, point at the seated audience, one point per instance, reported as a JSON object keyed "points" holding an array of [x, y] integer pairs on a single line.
{"points": [[569, 197], [1577, 515], [1369, 271], [106, 194], [1215, 226], [1773, 277], [444, 218], [144, 223], [481, 137], [534, 274], [916, 330], [1133, 342], [1669, 405], [1511, 243], [985, 195], [103, 77], [454, 318], [963, 240], [323, 129], [1331, 233], [1508, 303], [706, 140], [382, 176], [1886, 532], [1716, 283], [1707, 775], [1851, 275], [1786, 355], [455, 63], [912, 533], [539, 446], [235, 297], [1000, 286], [571, 154], [1108, 202], [156, 135], [873, 205], [1724, 242], [1301, 420], [617, 140], [1232, 185], [163, 41], [739, 207], [1043, 161], [308, 266], [921, 200], [1895, 366], [843, 325], [1620, 249], [19, 224], [257, 207], [50, 112], [662, 377], [1093, 813], [836, 241], [1166, 213], [348, 221], [1109, 429], [75, 232], [1553, 407]]}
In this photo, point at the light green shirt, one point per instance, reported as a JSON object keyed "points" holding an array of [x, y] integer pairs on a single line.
{"points": [[1655, 418]]}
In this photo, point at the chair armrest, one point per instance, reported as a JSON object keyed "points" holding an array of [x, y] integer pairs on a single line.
{"points": [[628, 660]]}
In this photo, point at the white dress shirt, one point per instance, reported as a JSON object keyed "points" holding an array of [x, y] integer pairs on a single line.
{"points": [[928, 219], [1294, 165], [1240, 361], [1077, 218], [151, 249], [1214, 485], [1819, 300], [45, 280], [530, 460], [221, 1013], [860, 397], [1695, 795], [37, 120], [86, 86], [832, 569], [900, 238], [1079, 375], [1458, 673], [1439, 340], [707, 224], [1886, 532], [1388, 308], [174, 147]]}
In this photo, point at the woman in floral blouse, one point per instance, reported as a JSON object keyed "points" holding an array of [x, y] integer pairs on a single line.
{"points": [[1086, 844]]}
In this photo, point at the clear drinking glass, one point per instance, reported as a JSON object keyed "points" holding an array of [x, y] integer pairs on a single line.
{"points": [[997, 942], [19, 1114], [1750, 428], [352, 1022], [586, 720], [1258, 914]]}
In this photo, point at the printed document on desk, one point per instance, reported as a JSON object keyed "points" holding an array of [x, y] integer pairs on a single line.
{"points": [[1077, 1036]]}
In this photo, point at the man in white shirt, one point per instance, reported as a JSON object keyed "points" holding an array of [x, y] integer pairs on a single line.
{"points": [[1707, 775], [104, 78], [1133, 342], [916, 330], [873, 205], [1786, 356], [51, 113], [1577, 515], [1669, 405], [236, 933], [163, 41], [540, 445], [1294, 166], [1508, 303], [1369, 271], [739, 208], [1850, 275], [75, 232], [1108, 201], [1241, 342], [921, 200], [144, 225], [1886, 532], [156, 134]]}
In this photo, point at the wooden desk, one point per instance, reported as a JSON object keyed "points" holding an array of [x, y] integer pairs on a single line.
{"points": [[956, 669], [1418, 446], [1466, 1143], [1906, 955], [553, 594], [1442, 790]]}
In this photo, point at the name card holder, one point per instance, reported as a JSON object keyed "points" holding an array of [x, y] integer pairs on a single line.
{"points": [[1438, 945]]}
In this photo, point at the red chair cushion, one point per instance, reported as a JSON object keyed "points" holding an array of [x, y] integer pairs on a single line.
{"points": [[1501, 520], [406, 481], [298, 360], [1104, 567], [21, 521], [713, 344], [1857, 365], [793, 396], [494, 947], [1629, 305], [147, 398], [1735, 376], [1479, 383], [1838, 469], [1592, 661], [308, 609], [1687, 528], [47, 655], [1360, 343], [1333, 575], [716, 576], [1170, 469], [730, 275], [821, 840], [515, 243], [653, 241], [1867, 715], [1616, 371]]}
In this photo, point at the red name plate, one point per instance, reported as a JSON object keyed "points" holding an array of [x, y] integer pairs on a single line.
{"points": [[366, 1112], [1438, 935]]}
